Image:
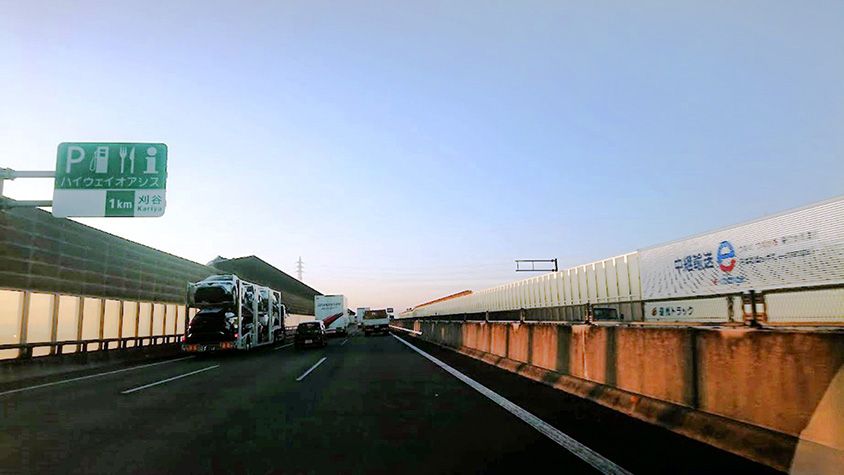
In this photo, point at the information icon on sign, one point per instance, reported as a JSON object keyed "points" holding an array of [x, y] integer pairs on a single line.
{"points": [[151, 160]]}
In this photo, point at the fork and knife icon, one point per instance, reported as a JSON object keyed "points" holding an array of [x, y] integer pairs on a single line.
{"points": [[123, 160]]}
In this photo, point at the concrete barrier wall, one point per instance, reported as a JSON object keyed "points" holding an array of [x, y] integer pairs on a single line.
{"points": [[519, 341], [714, 384], [598, 347], [498, 339], [484, 338], [544, 346], [655, 362], [771, 379]]}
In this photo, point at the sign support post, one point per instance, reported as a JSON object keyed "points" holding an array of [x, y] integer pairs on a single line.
{"points": [[9, 174]]}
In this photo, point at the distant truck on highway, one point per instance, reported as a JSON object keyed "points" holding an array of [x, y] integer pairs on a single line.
{"points": [[359, 315], [331, 309], [376, 321], [233, 314]]}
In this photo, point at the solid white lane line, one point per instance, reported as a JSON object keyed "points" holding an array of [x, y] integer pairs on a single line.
{"points": [[406, 330], [94, 375], [283, 346], [312, 368], [586, 454], [169, 379], [344, 342]]}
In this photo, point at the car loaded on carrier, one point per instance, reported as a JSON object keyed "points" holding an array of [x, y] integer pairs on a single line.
{"points": [[233, 314]]}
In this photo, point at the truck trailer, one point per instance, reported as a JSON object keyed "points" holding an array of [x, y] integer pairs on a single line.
{"points": [[331, 309], [233, 315]]}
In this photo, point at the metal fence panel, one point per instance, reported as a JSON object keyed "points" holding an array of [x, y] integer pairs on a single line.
{"points": [[633, 272], [612, 280], [180, 320], [145, 318], [158, 319], [601, 293], [11, 307], [812, 306], [68, 324], [92, 309], [112, 319], [582, 292], [130, 318], [622, 276], [170, 312], [40, 321]]}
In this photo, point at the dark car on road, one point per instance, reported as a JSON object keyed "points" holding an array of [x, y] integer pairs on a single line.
{"points": [[310, 334]]}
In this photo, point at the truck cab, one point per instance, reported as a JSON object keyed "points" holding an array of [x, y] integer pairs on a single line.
{"points": [[376, 321]]}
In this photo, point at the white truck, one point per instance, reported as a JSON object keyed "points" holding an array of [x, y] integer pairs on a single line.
{"points": [[233, 315], [331, 309], [359, 315], [376, 321]]}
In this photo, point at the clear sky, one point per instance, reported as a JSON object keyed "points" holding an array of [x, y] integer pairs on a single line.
{"points": [[411, 149]]}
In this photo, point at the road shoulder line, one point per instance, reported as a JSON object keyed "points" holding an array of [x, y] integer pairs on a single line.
{"points": [[583, 452]]}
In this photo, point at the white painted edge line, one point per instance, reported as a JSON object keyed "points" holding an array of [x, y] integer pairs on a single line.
{"points": [[94, 375], [344, 342], [586, 454], [168, 380], [312, 368], [283, 346], [406, 330]]}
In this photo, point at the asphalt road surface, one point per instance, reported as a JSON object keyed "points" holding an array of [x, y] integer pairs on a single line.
{"points": [[360, 405]]}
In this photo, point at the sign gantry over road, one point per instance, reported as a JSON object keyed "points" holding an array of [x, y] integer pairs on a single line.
{"points": [[110, 179]]}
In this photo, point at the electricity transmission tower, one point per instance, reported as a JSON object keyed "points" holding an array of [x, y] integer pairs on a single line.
{"points": [[300, 268]]}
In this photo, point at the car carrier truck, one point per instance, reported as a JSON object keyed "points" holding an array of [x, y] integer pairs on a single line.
{"points": [[233, 315], [331, 309]]}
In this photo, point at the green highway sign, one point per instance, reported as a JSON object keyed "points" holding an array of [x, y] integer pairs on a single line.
{"points": [[110, 179]]}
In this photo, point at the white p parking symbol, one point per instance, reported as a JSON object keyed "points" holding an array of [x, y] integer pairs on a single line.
{"points": [[70, 160]]}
